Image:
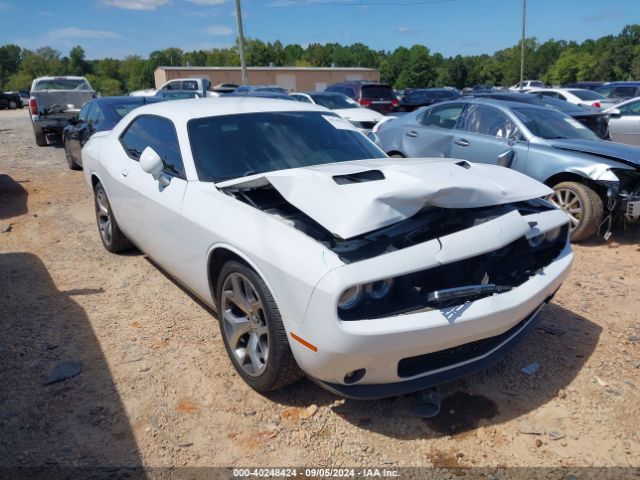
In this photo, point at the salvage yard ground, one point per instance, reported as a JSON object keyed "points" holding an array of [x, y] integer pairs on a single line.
{"points": [[153, 384]]}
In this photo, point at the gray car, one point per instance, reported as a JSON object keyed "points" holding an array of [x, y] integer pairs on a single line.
{"points": [[595, 181], [624, 122]]}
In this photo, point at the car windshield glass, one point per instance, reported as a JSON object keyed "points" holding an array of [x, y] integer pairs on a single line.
{"points": [[550, 124], [333, 102], [62, 84], [587, 94], [232, 146], [377, 91]]}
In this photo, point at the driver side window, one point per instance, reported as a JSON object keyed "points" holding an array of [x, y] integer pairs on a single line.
{"points": [[630, 109], [488, 121]]}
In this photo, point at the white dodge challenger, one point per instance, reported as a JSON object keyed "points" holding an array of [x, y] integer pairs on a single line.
{"points": [[322, 256]]}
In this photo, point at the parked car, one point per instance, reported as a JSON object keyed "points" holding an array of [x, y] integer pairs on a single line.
{"points": [[586, 85], [262, 94], [624, 122], [362, 118], [249, 89], [594, 181], [10, 100], [225, 87], [577, 96], [526, 85], [98, 115], [423, 97], [321, 255], [620, 90], [53, 101], [376, 96], [592, 118], [24, 97], [201, 85], [177, 94]]}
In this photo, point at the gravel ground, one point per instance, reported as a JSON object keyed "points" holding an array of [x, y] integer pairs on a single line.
{"points": [[155, 387]]}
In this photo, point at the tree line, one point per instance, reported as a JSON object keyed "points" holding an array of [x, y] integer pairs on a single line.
{"points": [[613, 57]]}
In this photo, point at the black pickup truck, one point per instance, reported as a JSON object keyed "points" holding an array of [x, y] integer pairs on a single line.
{"points": [[10, 100]]}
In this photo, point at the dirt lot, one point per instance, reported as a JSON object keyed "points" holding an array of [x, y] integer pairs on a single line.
{"points": [[156, 388]]}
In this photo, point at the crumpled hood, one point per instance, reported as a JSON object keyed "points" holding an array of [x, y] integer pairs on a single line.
{"points": [[351, 206], [613, 151]]}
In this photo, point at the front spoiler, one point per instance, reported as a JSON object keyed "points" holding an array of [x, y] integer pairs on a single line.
{"points": [[373, 391]]}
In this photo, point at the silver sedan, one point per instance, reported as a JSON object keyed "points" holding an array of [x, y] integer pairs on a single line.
{"points": [[624, 122]]}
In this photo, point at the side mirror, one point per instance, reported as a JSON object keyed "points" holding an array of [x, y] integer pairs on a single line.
{"points": [[614, 113], [505, 158], [151, 163]]}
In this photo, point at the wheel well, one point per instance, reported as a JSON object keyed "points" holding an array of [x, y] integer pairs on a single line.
{"points": [[217, 259], [573, 177], [94, 181]]}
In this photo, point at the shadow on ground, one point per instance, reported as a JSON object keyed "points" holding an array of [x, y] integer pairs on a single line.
{"points": [[49, 424], [13, 198], [561, 342], [622, 233]]}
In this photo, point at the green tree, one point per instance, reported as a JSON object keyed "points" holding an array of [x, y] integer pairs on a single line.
{"points": [[10, 58]]}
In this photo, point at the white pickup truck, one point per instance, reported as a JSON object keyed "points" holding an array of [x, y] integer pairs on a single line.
{"points": [[53, 101], [201, 86]]}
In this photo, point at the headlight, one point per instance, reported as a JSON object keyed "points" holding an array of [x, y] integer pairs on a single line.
{"points": [[379, 289], [350, 298]]}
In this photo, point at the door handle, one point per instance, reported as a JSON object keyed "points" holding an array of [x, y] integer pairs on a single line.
{"points": [[412, 134], [124, 172], [462, 143]]}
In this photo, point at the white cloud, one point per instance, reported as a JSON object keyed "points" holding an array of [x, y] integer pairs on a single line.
{"points": [[207, 2], [219, 30], [135, 4], [406, 30], [73, 32]]}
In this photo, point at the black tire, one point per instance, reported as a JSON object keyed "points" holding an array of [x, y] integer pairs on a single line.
{"points": [[112, 237], [396, 155], [67, 153], [590, 205], [13, 104], [280, 368], [41, 138]]}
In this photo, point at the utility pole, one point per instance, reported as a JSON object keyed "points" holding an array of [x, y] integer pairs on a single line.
{"points": [[524, 16], [243, 65]]}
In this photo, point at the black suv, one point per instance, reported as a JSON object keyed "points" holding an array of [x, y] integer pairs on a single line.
{"points": [[373, 95], [10, 100]]}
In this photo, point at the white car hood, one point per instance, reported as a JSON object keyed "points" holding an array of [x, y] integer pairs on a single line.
{"points": [[352, 209], [359, 114]]}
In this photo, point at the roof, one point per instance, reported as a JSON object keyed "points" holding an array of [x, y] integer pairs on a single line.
{"points": [[125, 100], [302, 69], [185, 110]]}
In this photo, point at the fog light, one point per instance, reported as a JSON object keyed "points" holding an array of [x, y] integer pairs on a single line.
{"points": [[552, 235], [353, 377], [350, 298], [379, 289]]}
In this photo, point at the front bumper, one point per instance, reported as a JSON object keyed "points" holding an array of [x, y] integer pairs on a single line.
{"points": [[379, 346]]}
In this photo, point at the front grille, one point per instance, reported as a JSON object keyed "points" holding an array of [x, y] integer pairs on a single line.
{"points": [[411, 366], [367, 125]]}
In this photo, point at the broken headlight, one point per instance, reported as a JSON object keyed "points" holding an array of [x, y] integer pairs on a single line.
{"points": [[354, 296]]}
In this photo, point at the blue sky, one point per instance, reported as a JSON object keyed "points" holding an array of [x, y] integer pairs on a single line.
{"points": [[118, 28]]}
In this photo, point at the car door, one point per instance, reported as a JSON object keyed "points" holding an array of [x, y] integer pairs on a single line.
{"points": [[150, 213], [78, 130], [431, 131], [484, 135], [626, 129]]}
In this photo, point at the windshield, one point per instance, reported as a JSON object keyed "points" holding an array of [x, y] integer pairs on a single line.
{"points": [[333, 102], [587, 94], [62, 84], [122, 109], [384, 92], [232, 146], [551, 124]]}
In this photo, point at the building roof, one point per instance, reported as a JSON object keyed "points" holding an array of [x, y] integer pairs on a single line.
{"points": [[310, 69]]}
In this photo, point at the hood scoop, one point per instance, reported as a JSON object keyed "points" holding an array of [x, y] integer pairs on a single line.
{"points": [[352, 198], [359, 177]]}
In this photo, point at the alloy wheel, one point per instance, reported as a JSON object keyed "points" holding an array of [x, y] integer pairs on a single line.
{"points": [[568, 200], [104, 217], [244, 324]]}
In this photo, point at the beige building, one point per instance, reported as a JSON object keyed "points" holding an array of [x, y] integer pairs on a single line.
{"points": [[290, 78]]}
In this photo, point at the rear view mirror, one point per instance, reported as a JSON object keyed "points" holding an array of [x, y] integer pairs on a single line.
{"points": [[614, 113], [151, 163]]}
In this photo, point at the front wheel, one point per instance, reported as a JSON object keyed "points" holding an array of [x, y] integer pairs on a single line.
{"points": [[582, 204], [112, 237], [13, 104], [252, 330]]}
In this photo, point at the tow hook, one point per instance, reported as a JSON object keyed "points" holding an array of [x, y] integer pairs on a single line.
{"points": [[428, 405]]}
